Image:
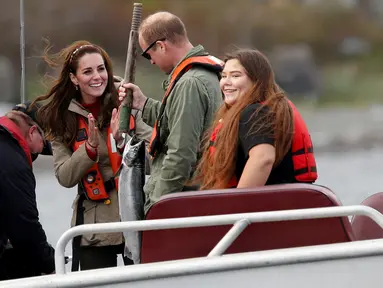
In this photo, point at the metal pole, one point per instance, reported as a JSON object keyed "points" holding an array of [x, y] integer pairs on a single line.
{"points": [[206, 221], [137, 275], [22, 51], [229, 238]]}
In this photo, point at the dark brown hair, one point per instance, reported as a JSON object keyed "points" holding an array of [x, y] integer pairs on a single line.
{"points": [[54, 116], [216, 172]]}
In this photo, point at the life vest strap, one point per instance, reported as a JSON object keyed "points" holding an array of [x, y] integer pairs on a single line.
{"points": [[209, 62], [110, 185], [302, 151], [305, 170]]}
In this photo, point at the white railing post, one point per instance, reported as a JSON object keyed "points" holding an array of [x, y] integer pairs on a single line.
{"points": [[214, 220], [229, 237]]}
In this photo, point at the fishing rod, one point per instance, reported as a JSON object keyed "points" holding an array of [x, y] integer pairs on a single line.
{"points": [[22, 51], [130, 68]]}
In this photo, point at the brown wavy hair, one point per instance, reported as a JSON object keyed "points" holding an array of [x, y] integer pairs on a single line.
{"points": [[215, 171], [55, 118]]}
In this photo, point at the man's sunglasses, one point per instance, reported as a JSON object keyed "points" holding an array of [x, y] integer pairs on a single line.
{"points": [[145, 53]]}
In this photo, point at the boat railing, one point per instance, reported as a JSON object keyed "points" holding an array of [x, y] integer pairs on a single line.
{"points": [[239, 222]]}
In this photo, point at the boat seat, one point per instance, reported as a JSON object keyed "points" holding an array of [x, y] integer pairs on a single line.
{"points": [[172, 244], [365, 228]]}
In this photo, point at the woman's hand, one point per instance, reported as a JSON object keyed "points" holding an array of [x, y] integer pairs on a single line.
{"points": [[115, 123], [93, 133]]}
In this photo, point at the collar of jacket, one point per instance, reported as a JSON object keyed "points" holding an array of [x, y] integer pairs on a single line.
{"points": [[198, 50], [76, 107], [15, 132]]}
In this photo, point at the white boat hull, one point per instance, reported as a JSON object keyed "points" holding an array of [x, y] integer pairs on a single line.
{"points": [[354, 264]]}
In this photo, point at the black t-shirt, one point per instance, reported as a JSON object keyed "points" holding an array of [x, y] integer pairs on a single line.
{"points": [[284, 172]]}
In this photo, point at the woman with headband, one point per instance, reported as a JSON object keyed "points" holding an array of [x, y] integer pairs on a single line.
{"points": [[81, 120]]}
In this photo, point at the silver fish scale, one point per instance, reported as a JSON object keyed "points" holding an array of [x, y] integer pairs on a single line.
{"points": [[131, 196]]}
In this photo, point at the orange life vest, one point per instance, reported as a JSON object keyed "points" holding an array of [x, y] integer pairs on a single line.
{"points": [[93, 183], [302, 151], [210, 62]]}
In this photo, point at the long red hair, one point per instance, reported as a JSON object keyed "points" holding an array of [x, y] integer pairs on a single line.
{"points": [[215, 171]]}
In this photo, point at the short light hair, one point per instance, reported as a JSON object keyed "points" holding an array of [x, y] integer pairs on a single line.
{"points": [[163, 25], [23, 121]]}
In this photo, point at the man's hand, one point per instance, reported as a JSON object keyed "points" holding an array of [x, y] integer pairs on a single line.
{"points": [[139, 98]]}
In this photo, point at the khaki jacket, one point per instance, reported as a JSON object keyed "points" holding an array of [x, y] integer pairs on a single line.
{"points": [[69, 169]]}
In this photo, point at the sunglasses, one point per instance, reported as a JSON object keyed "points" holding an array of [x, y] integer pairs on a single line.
{"points": [[145, 53]]}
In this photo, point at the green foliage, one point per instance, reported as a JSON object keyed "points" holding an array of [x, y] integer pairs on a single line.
{"points": [[217, 25]]}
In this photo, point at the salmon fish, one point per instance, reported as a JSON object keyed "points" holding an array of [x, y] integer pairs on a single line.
{"points": [[131, 195]]}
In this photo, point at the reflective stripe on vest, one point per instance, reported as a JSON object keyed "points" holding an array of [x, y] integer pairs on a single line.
{"points": [[209, 62], [93, 182], [302, 151]]}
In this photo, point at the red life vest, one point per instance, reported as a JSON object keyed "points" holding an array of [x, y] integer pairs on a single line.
{"points": [[302, 151], [92, 183], [305, 169], [210, 62], [14, 130]]}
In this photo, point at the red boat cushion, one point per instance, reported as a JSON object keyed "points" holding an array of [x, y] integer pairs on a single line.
{"points": [[365, 228], [171, 244]]}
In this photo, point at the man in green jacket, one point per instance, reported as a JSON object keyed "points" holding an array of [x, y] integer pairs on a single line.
{"points": [[188, 111]]}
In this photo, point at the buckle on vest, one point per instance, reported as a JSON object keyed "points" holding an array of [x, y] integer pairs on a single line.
{"points": [[91, 177]]}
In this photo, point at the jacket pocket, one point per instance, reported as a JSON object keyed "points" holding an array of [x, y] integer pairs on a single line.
{"points": [[90, 218]]}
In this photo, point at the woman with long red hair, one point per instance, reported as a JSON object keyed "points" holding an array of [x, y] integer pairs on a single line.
{"points": [[258, 137]]}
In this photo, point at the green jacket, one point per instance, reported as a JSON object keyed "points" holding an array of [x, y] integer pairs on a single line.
{"points": [[188, 113]]}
